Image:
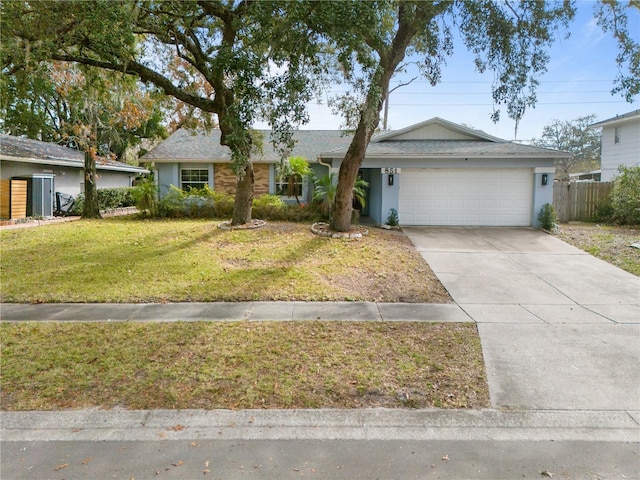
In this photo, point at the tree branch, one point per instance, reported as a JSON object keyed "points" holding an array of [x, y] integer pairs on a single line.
{"points": [[146, 75]]}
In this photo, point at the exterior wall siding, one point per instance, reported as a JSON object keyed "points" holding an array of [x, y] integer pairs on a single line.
{"points": [[375, 197], [433, 132], [221, 177], [541, 193], [224, 178], [167, 174], [111, 179], [626, 152]]}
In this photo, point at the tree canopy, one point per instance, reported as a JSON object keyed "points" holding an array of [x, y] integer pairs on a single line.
{"points": [[240, 61], [372, 39], [576, 137], [612, 16], [49, 103]]}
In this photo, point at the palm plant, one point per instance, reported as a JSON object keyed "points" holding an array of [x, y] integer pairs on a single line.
{"points": [[325, 192], [145, 194]]}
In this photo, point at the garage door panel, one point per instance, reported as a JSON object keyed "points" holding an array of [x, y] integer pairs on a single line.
{"points": [[489, 197]]}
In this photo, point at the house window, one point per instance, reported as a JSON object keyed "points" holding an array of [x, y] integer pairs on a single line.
{"points": [[289, 186], [616, 135], [193, 178]]}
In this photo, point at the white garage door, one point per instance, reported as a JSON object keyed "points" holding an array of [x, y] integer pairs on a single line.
{"points": [[483, 197]]}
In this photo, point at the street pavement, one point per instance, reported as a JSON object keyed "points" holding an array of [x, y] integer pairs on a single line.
{"points": [[560, 333]]}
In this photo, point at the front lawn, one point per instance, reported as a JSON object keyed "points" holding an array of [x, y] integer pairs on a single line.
{"points": [[128, 260], [236, 365], [610, 243]]}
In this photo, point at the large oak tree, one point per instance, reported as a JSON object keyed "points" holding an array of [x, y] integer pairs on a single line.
{"points": [[252, 60], [372, 39]]}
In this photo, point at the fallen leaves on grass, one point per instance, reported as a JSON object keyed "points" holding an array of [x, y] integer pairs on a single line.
{"points": [[118, 260], [241, 365]]}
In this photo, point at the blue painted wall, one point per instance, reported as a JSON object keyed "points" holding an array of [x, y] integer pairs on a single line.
{"points": [[541, 193], [390, 195]]}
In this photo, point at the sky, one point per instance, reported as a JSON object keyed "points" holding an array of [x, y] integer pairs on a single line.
{"points": [[577, 83]]}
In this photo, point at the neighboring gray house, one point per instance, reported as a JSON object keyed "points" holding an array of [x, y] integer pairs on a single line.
{"points": [[53, 168], [432, 173], [620, 143]]}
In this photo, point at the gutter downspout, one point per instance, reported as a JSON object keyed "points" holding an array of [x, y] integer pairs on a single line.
{"points": [[324, 164]]}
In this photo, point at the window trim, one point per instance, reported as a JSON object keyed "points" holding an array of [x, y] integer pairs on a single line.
{"points": [[193, 183]]}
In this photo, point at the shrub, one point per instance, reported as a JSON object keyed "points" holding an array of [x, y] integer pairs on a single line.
{"points": [[271, 207], [194, 203], [392, 218], [625, 198], [604, 211], [145, 195], [548, 217], [108, 199], [205, 203]]}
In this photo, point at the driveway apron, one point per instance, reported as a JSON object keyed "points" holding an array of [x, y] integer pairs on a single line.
{"points": [[560, 329]]}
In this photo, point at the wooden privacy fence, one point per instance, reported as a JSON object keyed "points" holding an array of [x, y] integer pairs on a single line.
{"points": [[579, 200]]}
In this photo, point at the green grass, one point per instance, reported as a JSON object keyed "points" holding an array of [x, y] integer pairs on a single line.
{"points": [[51, 366], [128, 260]]}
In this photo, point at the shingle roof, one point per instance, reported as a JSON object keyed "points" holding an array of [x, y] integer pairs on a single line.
{"points": [[452, 148], [185, 145], [35, 151], [189, 146]]}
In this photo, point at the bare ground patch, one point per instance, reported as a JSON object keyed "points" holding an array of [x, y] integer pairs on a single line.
{"points": [[610, 243]]}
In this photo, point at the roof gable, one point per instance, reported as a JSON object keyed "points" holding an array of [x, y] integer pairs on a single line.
{"points": [[436, 129]]}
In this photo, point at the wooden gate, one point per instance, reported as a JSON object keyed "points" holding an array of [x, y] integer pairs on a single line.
{"points": [[13, 198], [579, 200]]}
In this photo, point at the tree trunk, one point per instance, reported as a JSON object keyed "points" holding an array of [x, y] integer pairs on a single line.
{"points": [[91, 208], [343, 205], [370, 117], [390, 58], [244, 197]]}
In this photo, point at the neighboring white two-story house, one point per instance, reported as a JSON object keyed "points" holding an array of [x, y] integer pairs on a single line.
{"points": [[620, 143]]}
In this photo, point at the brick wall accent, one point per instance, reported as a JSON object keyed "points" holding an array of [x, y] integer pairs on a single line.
{"points": [[224, 180], [261, 172]]}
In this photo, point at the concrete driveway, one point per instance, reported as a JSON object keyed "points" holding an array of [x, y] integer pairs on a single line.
{"points": [[560, 329]]}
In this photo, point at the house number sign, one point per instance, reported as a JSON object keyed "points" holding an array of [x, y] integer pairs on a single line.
{"points": [[390, 171]]}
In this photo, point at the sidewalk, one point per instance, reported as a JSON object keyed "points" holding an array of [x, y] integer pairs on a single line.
{"points": [[497, 443], [230, 311]]}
